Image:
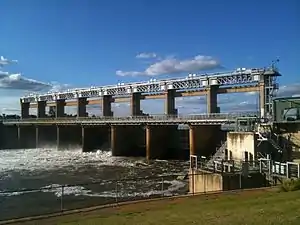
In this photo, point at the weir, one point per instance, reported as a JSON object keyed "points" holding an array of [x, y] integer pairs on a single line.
{"points": [[27, 137], [46, 136], [128, 140], [205, 139], [10, 138], [69, 137], [94, 137], [162, 142]]}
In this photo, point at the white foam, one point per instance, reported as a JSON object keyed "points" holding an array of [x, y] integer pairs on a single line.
{"points": [[81, 191], [52, 159], [56, 189]]}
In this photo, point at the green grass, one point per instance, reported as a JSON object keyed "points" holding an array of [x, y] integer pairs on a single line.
{"points": [[245, 208]]}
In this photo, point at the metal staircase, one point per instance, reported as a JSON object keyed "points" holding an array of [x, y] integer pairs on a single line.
{"points": [[264, 137]]}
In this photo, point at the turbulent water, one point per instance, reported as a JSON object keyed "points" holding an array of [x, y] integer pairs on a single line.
{"points": [[92, 175]]}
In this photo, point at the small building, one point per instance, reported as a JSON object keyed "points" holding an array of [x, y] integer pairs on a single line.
{"points": [[286, 109]]}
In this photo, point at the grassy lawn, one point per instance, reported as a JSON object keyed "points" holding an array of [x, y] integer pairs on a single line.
{"points": [[256, 207]]}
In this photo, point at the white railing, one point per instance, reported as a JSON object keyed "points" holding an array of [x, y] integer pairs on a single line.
{"points": [[199, 117]]}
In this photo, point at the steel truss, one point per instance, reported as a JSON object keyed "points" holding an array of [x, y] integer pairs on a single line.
{"points": [[193, 82]]}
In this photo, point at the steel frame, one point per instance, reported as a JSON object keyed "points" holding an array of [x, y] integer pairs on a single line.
{"points": [[193, 82]]}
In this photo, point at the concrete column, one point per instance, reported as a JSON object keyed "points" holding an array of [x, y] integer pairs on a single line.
{"points": [[170, 102], [127, 140], [46, 136], [106, 105], [204, 139], [81, 107], [26, 137], [95, 138], [60, 108], [162, 142], [262, 98], [212, 99], [25, 109], [135, 104], [41, 109], [69, 137]]}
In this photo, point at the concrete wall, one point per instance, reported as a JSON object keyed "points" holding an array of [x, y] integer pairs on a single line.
{"points": [[201, 181], [241, 145]]}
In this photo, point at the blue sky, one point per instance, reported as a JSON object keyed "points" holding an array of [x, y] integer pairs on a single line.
{"points": [[96, 42]]}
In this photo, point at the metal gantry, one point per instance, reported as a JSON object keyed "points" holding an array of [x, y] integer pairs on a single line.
{"points": [[193, 82], [239, 78]]}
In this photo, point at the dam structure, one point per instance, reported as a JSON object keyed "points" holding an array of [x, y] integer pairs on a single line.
{"points": [[140, 134]]}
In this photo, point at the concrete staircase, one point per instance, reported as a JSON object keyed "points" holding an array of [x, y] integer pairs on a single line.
{"points": [[218, 156]]}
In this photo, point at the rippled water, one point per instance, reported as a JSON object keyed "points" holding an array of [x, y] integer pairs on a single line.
{"points": [[50, 168]]}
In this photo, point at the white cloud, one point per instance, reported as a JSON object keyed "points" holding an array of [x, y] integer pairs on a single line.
{"points": [[174, 66], [18, 82], [145, 55]]}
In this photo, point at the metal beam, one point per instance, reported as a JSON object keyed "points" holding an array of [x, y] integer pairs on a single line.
{"points": [[160, 96]]}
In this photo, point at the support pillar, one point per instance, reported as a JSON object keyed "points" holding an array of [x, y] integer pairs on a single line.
{"points": [[95, 138], [262, 99], [81, 107], [128, 140], [162, 142], [41, 109], [69, 137], [106, 105], [170, 102], [204, 139], [135, 104], [25, 109], [212, 99], [60, 108]]}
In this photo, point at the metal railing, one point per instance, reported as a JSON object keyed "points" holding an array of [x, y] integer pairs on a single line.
{"points": [[173, 118], [60, 198]]}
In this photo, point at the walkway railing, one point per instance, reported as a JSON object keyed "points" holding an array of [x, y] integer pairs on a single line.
{"points": [[175, 118]]}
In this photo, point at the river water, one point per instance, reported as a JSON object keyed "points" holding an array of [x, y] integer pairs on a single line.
{"points": [[96, 178]]}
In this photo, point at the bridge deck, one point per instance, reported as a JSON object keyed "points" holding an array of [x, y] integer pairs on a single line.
{"points": [[217, 118]]}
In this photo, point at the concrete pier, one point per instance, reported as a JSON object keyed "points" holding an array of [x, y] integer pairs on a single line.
{"points": [[81, 107], [170, 102], [69, 137], [41, 109], [24, 109], [106, 105], [128, 140], [135, 104], [26, 137], [212, 99], [60, 108], [95, 137]]}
